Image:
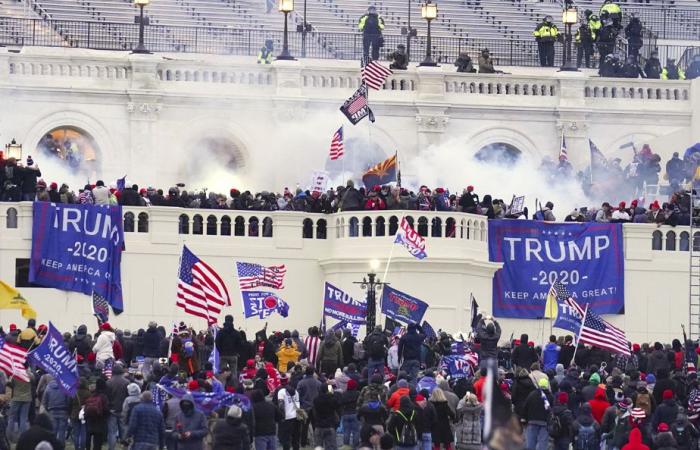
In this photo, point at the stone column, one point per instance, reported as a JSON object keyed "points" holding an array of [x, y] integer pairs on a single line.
{"points": [[431, 122], [572, 118]]}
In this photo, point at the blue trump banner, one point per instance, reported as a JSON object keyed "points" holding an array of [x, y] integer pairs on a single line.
{"points": [[587, 258], [402, 307], [261, 304], [53, 356], [78, 248], [339, 305]]}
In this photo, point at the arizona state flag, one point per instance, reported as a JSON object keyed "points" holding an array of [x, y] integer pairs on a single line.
{"points": [[10, 298], [382, 173]]}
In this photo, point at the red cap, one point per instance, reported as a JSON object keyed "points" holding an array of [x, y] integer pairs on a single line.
{"points": [[13, 327], [470, 188], [91, 357], [352, 385], [420, 398], [667, 394], [439, 190], [563, 398], [376, 188], [79, 358], [193, 385], [106, 326], [530, 344], [635, 347], [54, 185], [635, 202], [622, 205], [143, 191], [663, 426]]}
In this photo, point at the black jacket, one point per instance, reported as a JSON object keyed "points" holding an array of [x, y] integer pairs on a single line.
{"points": [[566, 354], [524, 355], [266, 418], [130, 197], [230, 434], [29, 177], [410, 345], [228, 341], [80, 343], [151, 343], [533, 409], [324, 413]]}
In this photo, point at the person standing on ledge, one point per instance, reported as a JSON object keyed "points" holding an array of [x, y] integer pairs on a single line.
{"points": [[545, 35], [371, 24]]}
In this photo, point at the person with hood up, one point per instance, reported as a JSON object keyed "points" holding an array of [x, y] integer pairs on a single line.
{"points": [[146, 424], [468, 428], [231, 433], [635, 441], [286, 354], [685, 433], [586, 430], [523, 355], [599, 404], [104, 346], [488, 333], [80, 343], [564, 434], [58, 406], [537, 410], [266, 416], [130, 401], [402, 426], [522, 388], [40, 431], [190, 426], [330, 355], [394, 401], [376, 345], [228, 342]]}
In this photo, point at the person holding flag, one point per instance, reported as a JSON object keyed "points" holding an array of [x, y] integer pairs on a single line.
{"points": [[488, 332]]}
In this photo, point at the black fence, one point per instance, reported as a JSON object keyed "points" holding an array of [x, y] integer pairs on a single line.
{"points": [[668, 22], [247, 42]]}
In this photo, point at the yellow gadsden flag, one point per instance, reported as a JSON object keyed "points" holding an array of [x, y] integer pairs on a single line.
{"points": [[10, 298], [551, 308]]}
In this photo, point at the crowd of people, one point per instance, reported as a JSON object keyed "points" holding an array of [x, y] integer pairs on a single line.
{"points": [[329, 390]]}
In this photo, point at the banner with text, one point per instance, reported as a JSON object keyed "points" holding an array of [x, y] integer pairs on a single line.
{"points": [[78, 248], [402, 307], [53, 356], [587, 258], [339, 304]]}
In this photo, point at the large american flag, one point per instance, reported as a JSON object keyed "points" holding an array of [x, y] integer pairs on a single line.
{"points": [[251, 276], [596, 331], [337, 145], [374, 75], [200, 290], [12, 359]]}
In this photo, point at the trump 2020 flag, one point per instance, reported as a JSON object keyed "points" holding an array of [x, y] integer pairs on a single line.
{"points": [[262, 304], [414, 242], [567, 313], [53, 356], [356, 108]]}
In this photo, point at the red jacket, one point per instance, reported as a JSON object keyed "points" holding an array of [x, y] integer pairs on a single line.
{"points": [[635, 442], [395, 398], [598, 405], [479, 388]]}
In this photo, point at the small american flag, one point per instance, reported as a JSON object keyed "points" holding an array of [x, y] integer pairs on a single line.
{"points": [[357, 104], [200, 290], [374, 75], [596, 331], [337, 145], [254, 275], [562, 152], [100, 307], [107, 369], [12, 359]]}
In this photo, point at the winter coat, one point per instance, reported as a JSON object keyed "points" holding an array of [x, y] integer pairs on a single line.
{"points": [[117, 390], [151, 343], [101, 194], [488, 342], [534, 409], [266, 417], [442, 430], [398, 421], [230, 434], [285, 355], [658, 360], [348, 402], [521, 390], [372, 392], [324, 413], [468, 428], [55, 400], [80, 342], [195, 423], [598, 405], [40, 431], [351, 200], [666, 412], [103, 347], [550, 356], [228, 341], [665, 441], [524, 356], [132, 400], [395, 398], [635, 441], [410, 345], [331, 352]]}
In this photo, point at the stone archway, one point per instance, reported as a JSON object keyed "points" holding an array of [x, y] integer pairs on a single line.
{"points": [[72, 148], [500, 153]]}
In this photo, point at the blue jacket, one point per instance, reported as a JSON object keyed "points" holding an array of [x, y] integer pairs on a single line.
{"points": [[410, 345], [55, 400], [550, 356], [146, 424], [151, 343]]}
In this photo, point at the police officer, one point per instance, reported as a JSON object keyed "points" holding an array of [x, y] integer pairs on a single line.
{"points": [[595, 25], [610, 66], [606, 41], [399, 58], [652, 68], [672, 71], [584, 44], [633, 33], [265, 53], [545, 35], [371, 25], [631, 69], [613, 12], [693, 70]]}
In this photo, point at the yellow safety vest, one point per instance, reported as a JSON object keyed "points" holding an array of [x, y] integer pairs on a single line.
{"points": [[681, 74], [594, 25], [546, 31]]}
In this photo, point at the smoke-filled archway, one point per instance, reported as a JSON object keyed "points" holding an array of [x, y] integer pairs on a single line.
{"points": [[73, 147], [214, 162], [499, 153], [360, 155]]}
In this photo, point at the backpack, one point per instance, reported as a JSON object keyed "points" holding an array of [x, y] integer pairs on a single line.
{"points": [[358, 351], [94, 407], [643, 401], [586, 439], [683, 436], [554, 426], [375, 346], [408, 436]]}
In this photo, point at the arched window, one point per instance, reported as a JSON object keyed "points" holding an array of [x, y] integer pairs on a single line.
{"points": [[423, 226], [267, 227], [353, 227], [184, 225], [499, 153], [197, 224], [380, 226], [393, 225], [366, 227], [696, 241], [321, 231], [671, 241], [226, 226], [211, 226], [11, 220], [307, 230], [436, 227], [129, 222], [72, 147], [656, 239], [685, 242], [253, 230], [450, 228], [143, 223], [239, 226]]}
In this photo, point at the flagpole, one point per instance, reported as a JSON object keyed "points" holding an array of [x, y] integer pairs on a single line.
{"points": [[578, 337]]}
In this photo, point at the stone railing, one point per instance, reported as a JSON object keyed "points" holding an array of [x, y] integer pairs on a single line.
{"points": [[639, 89]]}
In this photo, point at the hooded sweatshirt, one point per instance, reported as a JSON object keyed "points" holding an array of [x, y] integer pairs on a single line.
{"points": [[193, 422], [131, 400], [598, 405], [331, 351], [635, 441], [103, 347], [80, 342]]}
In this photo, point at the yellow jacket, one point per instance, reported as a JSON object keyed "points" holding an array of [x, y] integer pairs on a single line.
{"points": [[546, 32], [285, 355]]}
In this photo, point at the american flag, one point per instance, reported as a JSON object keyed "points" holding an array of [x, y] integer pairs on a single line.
{"points": [[596, 331], [251, 276], [12, 359], [428, 330], [374, 75], [357, 104], [107, 369], [200, 290], [562, 152], [100, 307], [337, 145]]}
